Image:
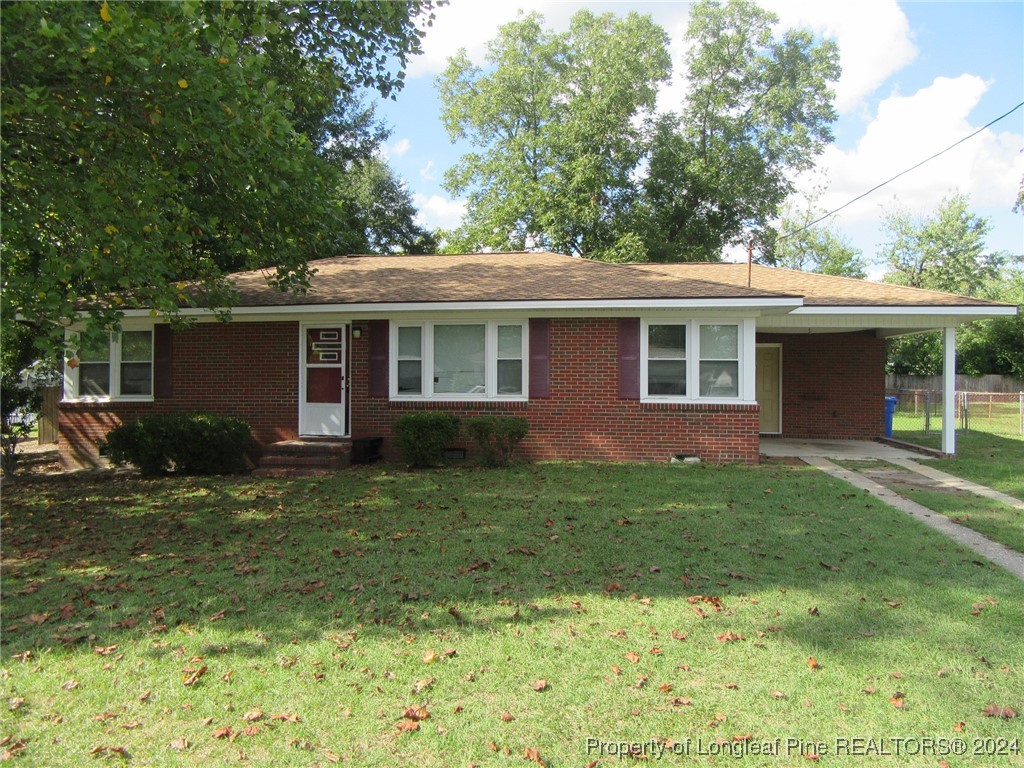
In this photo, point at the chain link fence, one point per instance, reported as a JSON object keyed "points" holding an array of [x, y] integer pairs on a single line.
{"points": [[918, 415]]}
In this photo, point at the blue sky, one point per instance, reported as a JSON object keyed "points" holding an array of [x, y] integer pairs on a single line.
{"points": [[917, 76]]}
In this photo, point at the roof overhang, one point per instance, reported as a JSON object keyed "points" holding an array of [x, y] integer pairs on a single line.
{"points": [[579, 306]]}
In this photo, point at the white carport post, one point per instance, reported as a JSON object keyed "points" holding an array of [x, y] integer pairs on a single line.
{"points": [[949, 390]]}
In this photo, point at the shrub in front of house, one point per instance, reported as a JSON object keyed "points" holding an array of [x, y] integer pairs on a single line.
{"points": [[422, 436], [186, 443], [497, 437]]}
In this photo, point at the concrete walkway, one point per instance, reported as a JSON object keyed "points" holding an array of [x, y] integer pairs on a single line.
{"points": [[1003, 556], [952, 481]]}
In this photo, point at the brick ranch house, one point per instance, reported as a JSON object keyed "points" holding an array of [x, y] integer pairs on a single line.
{"points": [[606, 361]]}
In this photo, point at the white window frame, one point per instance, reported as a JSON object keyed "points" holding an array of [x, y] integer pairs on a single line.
{"points": [[72, 377], [746, 332], [490, 393]]}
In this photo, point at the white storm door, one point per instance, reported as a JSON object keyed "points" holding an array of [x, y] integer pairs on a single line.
{"points": [[322, 383]]}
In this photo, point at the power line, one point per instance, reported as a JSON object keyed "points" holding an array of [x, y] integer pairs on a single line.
{"points": [[901, 173]]}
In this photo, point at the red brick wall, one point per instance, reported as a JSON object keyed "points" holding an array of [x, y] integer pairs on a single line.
{"points": [[833, 384], [583, 418], [248, 370]]}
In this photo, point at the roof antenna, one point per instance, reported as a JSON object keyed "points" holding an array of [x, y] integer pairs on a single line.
{"points": [[750, 259]]}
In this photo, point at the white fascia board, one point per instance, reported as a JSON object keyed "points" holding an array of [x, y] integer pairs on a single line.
{"points": [[579, 305], [861, 311]]}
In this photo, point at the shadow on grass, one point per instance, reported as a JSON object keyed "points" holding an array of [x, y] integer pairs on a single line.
{"points": [[101, 560]]}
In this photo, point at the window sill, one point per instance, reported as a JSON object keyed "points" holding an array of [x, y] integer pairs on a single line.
{"points": [[103, 400], [682, 401], [458, 399]]}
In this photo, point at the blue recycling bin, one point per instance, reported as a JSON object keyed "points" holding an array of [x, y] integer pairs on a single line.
{"points": [[890, 411]]}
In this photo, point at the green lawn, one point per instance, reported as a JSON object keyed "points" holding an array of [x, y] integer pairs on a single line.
{"points": [[993, 460], [517, 613], [1000, 522]]}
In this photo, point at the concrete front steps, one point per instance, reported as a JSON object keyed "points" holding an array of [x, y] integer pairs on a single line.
{"points": [[303, 458]]}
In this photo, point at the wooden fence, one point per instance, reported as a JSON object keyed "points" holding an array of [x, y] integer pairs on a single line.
{"points": [[979, 384]]}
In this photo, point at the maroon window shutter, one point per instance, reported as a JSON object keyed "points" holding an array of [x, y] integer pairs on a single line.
{"points": [[629, 358], [540, 351], [378, 373], [162, 341]]}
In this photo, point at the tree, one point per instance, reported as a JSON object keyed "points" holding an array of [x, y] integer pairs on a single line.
{"points": [[758, 111], [558, 120], [381, 211], [942, 252], [145, 144], [813, 248], [946, 252]]}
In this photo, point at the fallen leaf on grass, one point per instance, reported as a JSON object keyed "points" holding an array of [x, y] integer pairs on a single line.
{"points": [[223, 733], [678, 635], [539, 685], [192, 676], [287, 717], [70, 685], [532, 753], [777, 695], [813, 664], [994, 710], [253, 715], [421, 685], [507, 717], [14, 703], [416, 713], [729, 637], [408, 725], [180, 744], [632, 657], [898, 700]]}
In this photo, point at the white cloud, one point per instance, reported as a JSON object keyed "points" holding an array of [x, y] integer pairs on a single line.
{"points": [[873, 36], [437, 211], [908, 129], [427, 172], [399, 148], [470, 24]]}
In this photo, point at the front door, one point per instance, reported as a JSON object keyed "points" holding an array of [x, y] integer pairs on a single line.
{"points": [[768, 384], [322, 384]]}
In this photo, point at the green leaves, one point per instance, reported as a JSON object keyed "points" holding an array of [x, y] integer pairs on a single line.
{"points": [[559, 120], [146, 144], [758, 109]]}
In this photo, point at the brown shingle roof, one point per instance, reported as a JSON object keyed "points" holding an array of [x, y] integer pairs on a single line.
{"points": [[817, 290], [484, 277], [552, 277]]}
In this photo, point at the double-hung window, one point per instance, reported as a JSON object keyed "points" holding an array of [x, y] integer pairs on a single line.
{"points": [[117, 366], [459, 361], [690, 360]]}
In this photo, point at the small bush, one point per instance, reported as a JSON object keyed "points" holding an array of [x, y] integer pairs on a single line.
{"points": [[497, 436], [423, 435], [188, 443]]}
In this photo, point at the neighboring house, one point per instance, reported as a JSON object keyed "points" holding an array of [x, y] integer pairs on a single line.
{"points": [[606, 361]]}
